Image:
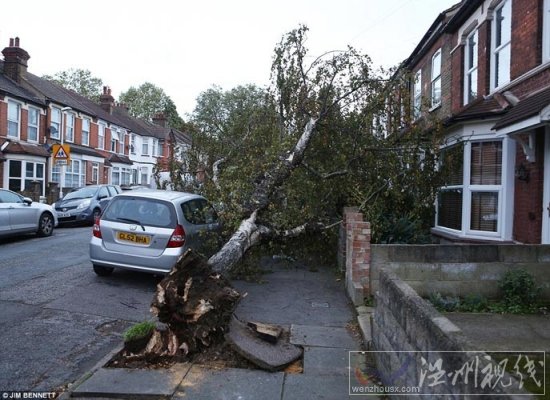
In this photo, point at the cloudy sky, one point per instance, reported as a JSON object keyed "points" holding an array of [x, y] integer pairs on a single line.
{"points": [[185, 47]]}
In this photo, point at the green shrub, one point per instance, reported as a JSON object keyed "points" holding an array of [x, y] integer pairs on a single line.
{"points": [[474, 303], [520, 292], [139, 331]]}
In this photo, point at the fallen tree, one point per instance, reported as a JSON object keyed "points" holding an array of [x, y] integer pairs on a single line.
{"points": [[282, 164]]}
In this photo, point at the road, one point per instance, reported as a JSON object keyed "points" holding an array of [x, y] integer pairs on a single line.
{"points": [[58, 318]]}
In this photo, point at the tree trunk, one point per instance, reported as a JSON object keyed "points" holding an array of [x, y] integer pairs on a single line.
{"points": [[250, 233]]}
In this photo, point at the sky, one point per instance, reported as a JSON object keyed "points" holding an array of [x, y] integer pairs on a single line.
{"points": [[186, 47]]}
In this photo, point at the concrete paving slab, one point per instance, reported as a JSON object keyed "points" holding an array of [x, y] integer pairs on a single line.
{"points": [[122, 383], [300, 387], [322, 336], [326, 361], [501, 332], [232, 383], [269, 356]]}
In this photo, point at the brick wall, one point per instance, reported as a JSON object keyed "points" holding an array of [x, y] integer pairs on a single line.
{"points": [[526, 36], [357, 255]]}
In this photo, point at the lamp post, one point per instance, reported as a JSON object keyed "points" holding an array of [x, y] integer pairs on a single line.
{"points": [[62, 169]]}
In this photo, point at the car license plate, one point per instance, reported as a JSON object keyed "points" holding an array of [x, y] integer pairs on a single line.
{"points": [[62, 215], [133, 238]]}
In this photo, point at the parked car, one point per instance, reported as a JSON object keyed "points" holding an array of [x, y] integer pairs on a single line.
{"points": [[20, 214], [148, 230], [83, 204]]}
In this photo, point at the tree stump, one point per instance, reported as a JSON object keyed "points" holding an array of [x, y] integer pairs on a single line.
{"points": [[195, 304]]}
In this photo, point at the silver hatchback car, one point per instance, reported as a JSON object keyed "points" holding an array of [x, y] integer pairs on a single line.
{"points": [[149, 230]]}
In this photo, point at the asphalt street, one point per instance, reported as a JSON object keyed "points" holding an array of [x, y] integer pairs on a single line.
{"points": [[58, 318]]}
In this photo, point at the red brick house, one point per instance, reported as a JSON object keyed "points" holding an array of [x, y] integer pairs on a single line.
{"points": [[36, 113], [483, 70]]}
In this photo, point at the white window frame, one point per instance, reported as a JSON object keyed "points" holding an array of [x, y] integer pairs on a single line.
{"points": [[133, 143], [77, 169], [417, 95], [121, 143], [23, 175], [33, 125], [14, 122], [86, 123], [145, 147], [504, 190], [154, 149], [496, 51], [69, 127], [101, 126], [471, 65], [115, 139], [55, 123], [435, 82]]}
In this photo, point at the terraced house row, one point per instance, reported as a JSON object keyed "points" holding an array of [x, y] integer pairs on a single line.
{"points": [[483, 70], [107, 145]]}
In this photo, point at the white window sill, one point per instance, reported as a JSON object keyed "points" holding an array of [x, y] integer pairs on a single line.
{"points": [[459, 236], [435, 107]]}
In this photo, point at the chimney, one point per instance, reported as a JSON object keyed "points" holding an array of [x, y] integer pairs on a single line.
{"points": [[160, 119], [106, 100], [15, 61]]}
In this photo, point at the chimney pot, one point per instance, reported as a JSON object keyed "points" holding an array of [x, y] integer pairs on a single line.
{"points": [[11, 42], [17, 42]]}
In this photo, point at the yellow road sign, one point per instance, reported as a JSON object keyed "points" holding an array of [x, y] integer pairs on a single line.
{"points": [[61, 152]]}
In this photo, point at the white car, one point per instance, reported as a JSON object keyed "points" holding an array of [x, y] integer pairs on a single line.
{"points": [[20, 214]]}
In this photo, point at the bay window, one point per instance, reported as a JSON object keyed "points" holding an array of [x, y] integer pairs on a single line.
{"points": [[471, 201]]}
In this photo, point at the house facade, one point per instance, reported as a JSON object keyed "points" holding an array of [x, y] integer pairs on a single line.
{"points": [[483, 71], [107, 145]]}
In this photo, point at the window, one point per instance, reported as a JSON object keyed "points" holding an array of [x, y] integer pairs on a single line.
{"points": [[114, 140], [145, 147], [122, 142], [74, 174], [69, 128], [101, 136], [160, 152], [199, 212], [470, 67], [144, 176], [55, 124], [115, 176], [125, 177], [133, 144], [23, 173], [470, 201], [154, 151], [14, 115], [436, 79], [417, 93], [85, 131], [32, 128], [500, 44]]}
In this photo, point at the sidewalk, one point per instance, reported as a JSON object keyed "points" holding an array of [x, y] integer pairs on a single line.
{"points": [[311, 303]]}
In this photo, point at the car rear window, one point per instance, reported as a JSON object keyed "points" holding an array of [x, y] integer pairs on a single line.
{"points": [[199, 212], [138, 210]]}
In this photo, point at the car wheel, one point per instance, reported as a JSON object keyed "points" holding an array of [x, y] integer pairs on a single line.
{"points": [[45, 225], [103, 271]]}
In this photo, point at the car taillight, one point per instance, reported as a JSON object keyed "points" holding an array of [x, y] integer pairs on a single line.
{"points": [[96, 230], [178, 237]]}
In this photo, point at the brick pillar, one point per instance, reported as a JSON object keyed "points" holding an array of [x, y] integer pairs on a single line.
{"points": [[358, 237]]}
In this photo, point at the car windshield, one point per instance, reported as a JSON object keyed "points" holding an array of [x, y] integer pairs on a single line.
{"points": [[84, 193], [141, 211]]}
